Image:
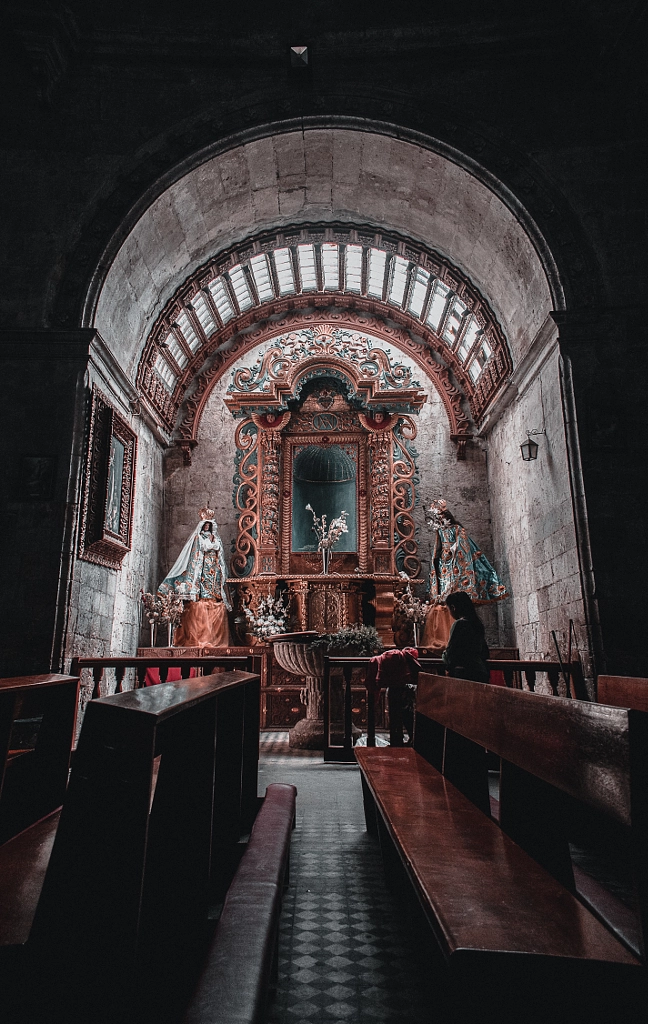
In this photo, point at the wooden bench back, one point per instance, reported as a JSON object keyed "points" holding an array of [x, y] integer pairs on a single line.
{"points": [[581, 748], [569, 769], [623, 692], [33, 779], [163, 779]]}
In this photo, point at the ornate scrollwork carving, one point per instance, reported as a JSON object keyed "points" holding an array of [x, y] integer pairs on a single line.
{"points": [[405, 479], [246, 498], [367, 372], [352, 321]]}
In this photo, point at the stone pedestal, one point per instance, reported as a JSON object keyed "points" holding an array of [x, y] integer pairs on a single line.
{"points": [[301, 660]]}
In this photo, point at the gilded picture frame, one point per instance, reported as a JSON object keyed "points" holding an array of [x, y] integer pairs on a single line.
{"points": [[108, 487]]}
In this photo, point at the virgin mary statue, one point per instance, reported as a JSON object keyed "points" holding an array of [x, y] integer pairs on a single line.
{"points": [[457, 565], [198, 576]]}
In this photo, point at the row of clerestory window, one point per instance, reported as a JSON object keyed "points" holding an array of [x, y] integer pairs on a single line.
{"points": [[325, 267]]}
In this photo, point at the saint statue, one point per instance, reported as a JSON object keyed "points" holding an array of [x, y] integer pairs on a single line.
{"points": [[198, 576], [457, 565]]}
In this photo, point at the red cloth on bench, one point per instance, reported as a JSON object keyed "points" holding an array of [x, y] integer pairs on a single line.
{"points": [[393, 668]]}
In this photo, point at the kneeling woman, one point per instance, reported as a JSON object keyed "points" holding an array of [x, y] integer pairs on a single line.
{"points": [[466, 655]]}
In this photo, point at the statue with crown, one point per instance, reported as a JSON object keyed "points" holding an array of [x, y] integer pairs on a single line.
{"points": [[198, 577], [457, 564]]}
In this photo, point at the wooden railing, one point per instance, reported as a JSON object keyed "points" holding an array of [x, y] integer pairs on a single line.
{"points": [[513, 671], [205, 665], [572, 675]]}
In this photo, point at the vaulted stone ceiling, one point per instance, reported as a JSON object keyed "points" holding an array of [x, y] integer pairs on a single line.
{"points": [[333, 175]]}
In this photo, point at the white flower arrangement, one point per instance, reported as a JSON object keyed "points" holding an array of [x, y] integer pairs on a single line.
{"points": [[410, 607], [328, 536], [172, 608], [270, 618]]}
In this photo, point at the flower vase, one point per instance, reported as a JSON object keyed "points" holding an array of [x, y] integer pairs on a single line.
{"points": [[326, 557], [170, 635], [152, 624], [415, 629]]}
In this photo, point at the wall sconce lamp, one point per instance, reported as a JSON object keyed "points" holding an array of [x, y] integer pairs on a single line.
{"points": [[529, 448]]}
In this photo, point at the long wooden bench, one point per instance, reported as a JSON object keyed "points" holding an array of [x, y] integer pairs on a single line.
{"points": [[241, 960], [162, 789], [34, 770], [500, 898]]}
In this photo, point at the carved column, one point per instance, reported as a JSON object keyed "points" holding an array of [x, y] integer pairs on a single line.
{"points": [[384, 605], [268, 557], [381, 529]]}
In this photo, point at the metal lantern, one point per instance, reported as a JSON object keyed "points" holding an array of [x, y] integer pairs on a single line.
{"points": [[529, 449]]}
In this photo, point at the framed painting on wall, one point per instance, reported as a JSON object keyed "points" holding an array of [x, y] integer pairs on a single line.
{"points": [[108, 488]]}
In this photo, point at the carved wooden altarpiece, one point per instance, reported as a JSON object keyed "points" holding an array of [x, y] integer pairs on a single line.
{"points": [[335, 394]]}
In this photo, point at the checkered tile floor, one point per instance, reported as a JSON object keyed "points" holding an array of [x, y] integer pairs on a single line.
{"points": [[349, 951]]}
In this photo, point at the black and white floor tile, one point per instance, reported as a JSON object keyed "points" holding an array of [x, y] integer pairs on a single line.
{"points": [[349, 950]]}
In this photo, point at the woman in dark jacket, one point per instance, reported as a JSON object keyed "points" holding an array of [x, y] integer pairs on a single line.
{"points": [[467, 651]]}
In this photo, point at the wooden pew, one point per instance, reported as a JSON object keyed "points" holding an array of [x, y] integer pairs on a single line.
{"points": [[33, 778], [163, 780], [500, 898], [241, 961], [623, 692]]}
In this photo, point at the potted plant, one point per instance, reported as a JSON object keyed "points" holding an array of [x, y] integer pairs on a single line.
{"points": [[351, 641]]}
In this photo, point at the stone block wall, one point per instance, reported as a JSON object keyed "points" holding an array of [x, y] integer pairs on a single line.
{"points": [[54, 604], [105, 617], [317, 176], [533, 520], [42, 374]]}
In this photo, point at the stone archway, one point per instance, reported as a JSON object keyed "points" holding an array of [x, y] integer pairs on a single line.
{"points": [[343, 176]]}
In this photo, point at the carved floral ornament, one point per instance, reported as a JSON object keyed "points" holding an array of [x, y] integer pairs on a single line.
{"points": [[295, 349], [369, 374]]}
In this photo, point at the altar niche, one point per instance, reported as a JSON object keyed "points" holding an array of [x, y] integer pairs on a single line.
{"points": [[324, 478], [335, 432]]}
